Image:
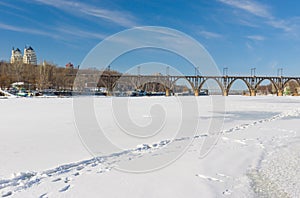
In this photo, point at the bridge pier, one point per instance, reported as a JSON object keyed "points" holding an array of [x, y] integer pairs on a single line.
{"points": [[252, 92], [225, 93], [280, 93], [109, 93], [167, 92], [196, 92]]}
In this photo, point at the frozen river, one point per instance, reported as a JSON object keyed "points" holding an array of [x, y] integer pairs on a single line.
{"points": [[254, 151]]}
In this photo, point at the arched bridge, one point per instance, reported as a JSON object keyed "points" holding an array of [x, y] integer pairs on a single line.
{"points": [[197, 82]]}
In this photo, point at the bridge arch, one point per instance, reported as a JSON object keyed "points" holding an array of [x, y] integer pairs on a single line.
{"points": [[268, 79], [291, 91], [120, 81], [234, 80], [291, 79], [214, 79], [182, 77]]}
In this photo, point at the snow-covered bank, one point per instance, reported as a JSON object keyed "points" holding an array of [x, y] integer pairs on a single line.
{"points": [[256, 155]]}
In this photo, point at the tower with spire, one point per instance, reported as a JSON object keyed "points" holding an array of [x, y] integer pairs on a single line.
{"points": [[29, 56], [16, 55]]}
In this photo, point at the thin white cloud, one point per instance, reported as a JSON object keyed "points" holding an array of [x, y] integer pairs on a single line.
{"points": [[26, 30], [280, 24], [210, 35], [249, 46], [256, 37], [58, 33], [249, 6], [259, 10], [120, 18], [8, 5], [80, 33], [248, 23]]}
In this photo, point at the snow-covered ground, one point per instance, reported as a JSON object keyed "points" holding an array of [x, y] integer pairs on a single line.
{"points": [[256, 155]]}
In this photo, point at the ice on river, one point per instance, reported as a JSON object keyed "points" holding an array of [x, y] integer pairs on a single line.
{"points": [[257, 153]]}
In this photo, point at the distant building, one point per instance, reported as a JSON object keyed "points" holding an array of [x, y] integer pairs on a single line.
{"points": [[16, 55], [29, 56], [69, 65]]}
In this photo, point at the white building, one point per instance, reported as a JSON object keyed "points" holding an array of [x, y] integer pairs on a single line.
{"points": [[16, 55], [29, 56]]}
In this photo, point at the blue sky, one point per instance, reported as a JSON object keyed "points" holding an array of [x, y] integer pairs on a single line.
{"points": [[239, 35]]}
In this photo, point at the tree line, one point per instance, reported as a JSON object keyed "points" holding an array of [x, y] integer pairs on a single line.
{"points": [[49, 76], [46, 76]]}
